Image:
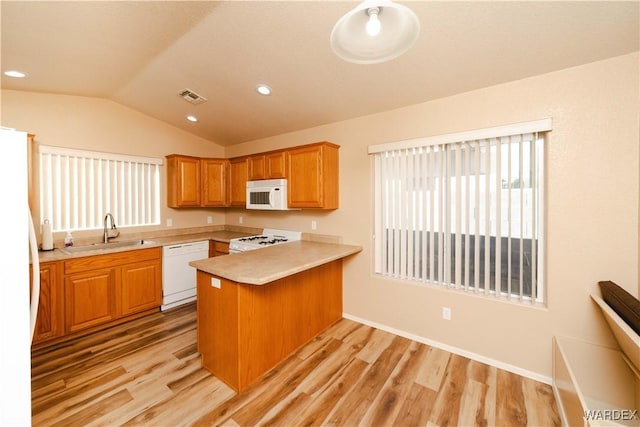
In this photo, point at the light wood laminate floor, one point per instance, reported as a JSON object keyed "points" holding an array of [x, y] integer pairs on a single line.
{"points": [[147, 372]]}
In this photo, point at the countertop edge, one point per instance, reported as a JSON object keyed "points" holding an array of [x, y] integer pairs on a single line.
{"points": [[225, 267], [219, 236]]}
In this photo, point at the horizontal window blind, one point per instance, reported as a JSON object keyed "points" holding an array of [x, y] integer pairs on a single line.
{"points": [[464, 213], [77, 188]]}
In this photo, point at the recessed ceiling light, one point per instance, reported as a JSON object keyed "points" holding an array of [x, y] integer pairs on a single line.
{"points": [[263, 89], [14, 73], [192, 118]]}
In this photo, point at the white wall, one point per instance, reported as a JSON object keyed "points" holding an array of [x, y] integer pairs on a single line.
{"points": [[592, 198], [591, 216], [102, 125]]}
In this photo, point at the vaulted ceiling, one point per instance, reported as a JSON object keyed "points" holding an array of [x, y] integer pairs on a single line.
{"points": [[141, 54]]}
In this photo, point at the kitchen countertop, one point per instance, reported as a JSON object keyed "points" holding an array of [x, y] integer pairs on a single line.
{"points": [[265, 265], [220, 236]]}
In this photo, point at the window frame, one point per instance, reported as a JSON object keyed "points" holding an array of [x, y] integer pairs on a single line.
{"points": [[78, 187], [539, 292]]}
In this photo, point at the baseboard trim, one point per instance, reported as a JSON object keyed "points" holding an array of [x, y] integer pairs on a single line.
{"points": [[455, 350]]}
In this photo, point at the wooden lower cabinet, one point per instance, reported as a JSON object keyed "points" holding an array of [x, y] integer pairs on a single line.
{"points": [[218, 248], [90, 299], [140, 290], [49, 320], [102, 289], [245, 330]]}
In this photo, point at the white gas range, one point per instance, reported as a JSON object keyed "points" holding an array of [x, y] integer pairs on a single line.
{"points": [[269, 237]]}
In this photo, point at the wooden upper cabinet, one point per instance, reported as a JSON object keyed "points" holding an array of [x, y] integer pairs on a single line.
{"points": [[275, 164], [183, 181], [256, 167], [267, 166], [238, 176], [312, 171], [214, 182]]}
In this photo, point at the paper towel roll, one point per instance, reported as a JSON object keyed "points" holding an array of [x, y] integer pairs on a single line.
{"points": [[47, 236]]}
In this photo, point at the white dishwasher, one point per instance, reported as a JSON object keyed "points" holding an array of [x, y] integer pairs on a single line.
{"points": [[178, 277]]}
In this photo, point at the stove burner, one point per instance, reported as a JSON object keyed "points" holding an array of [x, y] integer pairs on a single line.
{"points": [[273, 241], [252, 238], [269, 237]]}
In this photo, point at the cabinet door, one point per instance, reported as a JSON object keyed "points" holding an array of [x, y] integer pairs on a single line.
{"points": [[238, 182], [183, 181], [141, 286], [305, 177], [220, 248], [90, 298], [276, 165], [312, 172], [214, 177], [267, 166], [49, 320], [256, 167]]}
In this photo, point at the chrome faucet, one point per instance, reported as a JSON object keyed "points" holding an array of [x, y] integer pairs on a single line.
{"points": [[110, 233]]}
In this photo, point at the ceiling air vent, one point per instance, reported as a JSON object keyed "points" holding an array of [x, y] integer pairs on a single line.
{"points": [[192, 97]]}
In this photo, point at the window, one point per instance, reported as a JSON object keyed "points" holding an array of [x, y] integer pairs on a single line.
{"points": [[77, 188], [464, 211]]}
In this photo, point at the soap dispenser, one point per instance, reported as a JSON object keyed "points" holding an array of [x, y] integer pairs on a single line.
{"points": [[68, 239]]}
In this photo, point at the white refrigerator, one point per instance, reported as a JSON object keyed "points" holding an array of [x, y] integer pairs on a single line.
{"points": [[15, 330]]}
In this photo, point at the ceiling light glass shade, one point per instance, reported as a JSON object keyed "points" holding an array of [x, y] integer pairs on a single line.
{"points": [[263, 89], [14, 73], [399, 29]]}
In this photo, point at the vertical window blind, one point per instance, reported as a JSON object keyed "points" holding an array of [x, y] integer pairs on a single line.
{"points": [[464, 210], [77, 188]]}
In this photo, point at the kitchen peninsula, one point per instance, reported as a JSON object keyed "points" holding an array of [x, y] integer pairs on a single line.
{"points": [[255, 308]]}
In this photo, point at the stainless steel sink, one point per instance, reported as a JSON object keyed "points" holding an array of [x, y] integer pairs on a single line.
{"points": [[100, 246]]}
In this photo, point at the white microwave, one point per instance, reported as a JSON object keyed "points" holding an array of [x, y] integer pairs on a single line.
{"points": [[267, 194]]}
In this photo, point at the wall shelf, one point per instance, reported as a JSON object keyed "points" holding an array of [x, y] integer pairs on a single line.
{"points": [[592, 378]]}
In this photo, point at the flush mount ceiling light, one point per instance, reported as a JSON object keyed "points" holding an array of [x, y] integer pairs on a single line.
{"points": [[263, 89], [14, 73], [375, 31]]}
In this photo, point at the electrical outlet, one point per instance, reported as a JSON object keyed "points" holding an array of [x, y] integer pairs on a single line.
{"points": [[169, 222], [446, 313], [215, 283], [314, 225], [240, 219], [209, 219]]}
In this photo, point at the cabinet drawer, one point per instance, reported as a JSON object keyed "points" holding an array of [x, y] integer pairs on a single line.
{"points": [[220, 248], [115, 259]]}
